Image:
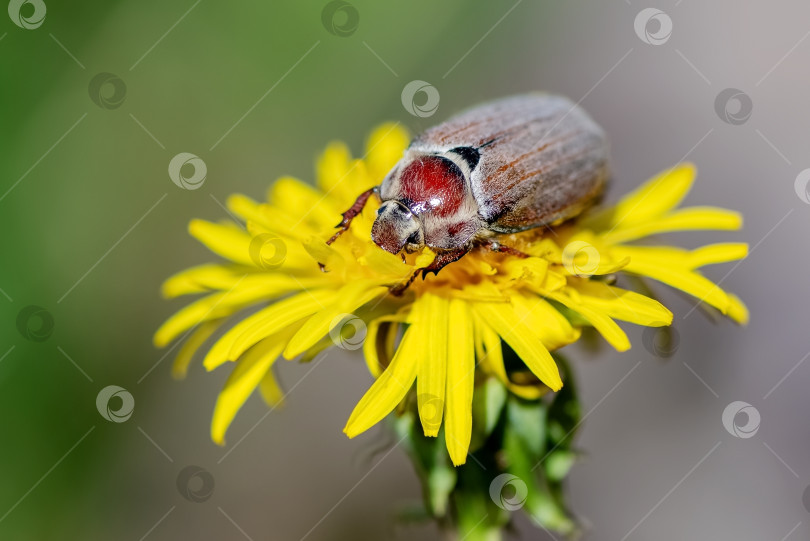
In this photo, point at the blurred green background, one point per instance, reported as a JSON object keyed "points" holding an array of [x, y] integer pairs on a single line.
{"points": [[91, 224]]}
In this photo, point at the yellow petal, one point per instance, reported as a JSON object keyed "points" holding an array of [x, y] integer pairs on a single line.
{"points": [[213, 306], [200, 279], [688, 219], [491, 361], [608, 328], [375, 343], [432, 324], [717, 253], [349, 299], [681, 278], [264, 323], [333, 165], [620, 303], [737, 310], [460, 381], [384, 148], [553, 329], [228, 241], [270, 390], [323, 253], [246, 208], [523, 339], [222, 304], [678, 257], [300, 203], [191, 345], [390, 388], [530, 269], [243, 380], [383, 263], [653, 198]]}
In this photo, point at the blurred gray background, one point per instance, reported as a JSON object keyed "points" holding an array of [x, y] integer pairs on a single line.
{"points": [[92, 224]]}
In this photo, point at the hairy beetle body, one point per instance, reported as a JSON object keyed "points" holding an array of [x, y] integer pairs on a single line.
{"points": [[502, 167]]}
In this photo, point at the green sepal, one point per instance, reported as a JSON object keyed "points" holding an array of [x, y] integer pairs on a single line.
{"points": [[431, 462], [530, 416], [488, 402], [541, 504]]}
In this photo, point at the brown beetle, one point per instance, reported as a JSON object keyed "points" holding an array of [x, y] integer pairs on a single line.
{"points": [[502, 167]]}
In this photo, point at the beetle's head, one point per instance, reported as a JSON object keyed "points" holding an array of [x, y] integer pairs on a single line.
{"points": [[396, 228]]}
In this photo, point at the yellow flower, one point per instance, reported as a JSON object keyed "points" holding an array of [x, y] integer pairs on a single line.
{"points": [[445, 329]]}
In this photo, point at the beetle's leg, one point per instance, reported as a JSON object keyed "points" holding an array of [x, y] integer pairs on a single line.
{"points": [[441, 260], [496, 246], [353, 211], [399, 289], [348, 216]]}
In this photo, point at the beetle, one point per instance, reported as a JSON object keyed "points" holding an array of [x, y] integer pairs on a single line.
{"points": [[506, 166]]}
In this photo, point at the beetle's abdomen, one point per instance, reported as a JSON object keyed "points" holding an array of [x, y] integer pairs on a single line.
{"points": [[432, 184]]}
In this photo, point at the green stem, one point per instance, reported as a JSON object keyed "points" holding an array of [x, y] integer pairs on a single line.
{"points": [[521, 453]]}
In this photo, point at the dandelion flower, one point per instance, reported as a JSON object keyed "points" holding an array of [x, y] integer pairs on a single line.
{"points": [[448, 331]]}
